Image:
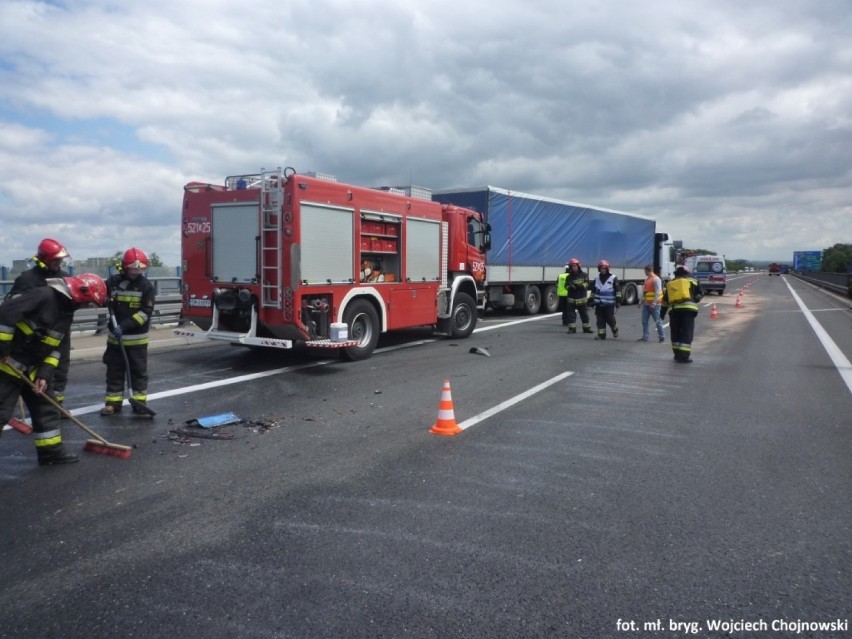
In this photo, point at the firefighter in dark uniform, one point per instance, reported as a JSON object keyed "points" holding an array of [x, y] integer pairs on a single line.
{"points": [[48, 259], [578, 297], [131, 302], [31, 326], [680, 301], [606, 297]]}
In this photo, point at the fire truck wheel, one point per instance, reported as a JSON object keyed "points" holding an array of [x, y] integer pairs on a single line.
{"points": [[464, 316], [363, 322]]}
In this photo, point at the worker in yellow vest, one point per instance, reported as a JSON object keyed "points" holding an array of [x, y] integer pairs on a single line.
{"points": [[562, 293], [652, 299], [680, 300]]}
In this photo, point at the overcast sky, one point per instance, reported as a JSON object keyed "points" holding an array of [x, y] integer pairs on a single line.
{"points": [[729, 122]]}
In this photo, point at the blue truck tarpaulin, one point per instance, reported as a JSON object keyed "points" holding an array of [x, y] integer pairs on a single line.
{"points": [[531, 230]]}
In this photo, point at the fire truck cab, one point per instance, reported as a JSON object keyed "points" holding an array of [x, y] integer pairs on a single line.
{"points": [[279, 258]]}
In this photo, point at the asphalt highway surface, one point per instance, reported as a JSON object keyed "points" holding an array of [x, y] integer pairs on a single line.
{"points": [[597, 489]]}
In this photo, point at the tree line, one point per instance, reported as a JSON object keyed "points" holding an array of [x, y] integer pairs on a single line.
{"points": [[837, 259]]}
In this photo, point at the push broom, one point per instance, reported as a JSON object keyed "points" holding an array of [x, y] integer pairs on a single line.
{"points": [[19, 424], [98, 444]]}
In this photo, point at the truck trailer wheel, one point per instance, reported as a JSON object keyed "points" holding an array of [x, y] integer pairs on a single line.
{"points": [[532, 299], [363, 322], [549, 299], [630, 294], [463, 320]]}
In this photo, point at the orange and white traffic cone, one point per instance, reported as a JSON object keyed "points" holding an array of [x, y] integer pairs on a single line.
{"points": [[714, 314], [739, 303], [446, 423]]}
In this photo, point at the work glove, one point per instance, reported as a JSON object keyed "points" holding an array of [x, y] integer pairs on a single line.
{"points": [[122, 328]]}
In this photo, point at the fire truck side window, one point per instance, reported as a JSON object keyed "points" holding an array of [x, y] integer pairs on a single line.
{"points": [[476, 234]]}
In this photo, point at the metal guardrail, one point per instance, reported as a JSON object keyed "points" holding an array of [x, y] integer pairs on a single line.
{"points": [[836, 282], [166, 310]]}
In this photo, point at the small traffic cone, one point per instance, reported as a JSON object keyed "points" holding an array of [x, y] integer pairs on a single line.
{"points": [[446, 423], [739, 303], [714, 314]]}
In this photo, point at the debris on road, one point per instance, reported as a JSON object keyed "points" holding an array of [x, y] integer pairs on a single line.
{"points": [[200, 434], [226, 424], [214, 420]]}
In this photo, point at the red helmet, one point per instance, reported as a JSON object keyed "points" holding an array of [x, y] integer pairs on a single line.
{"points": [[574, 262], [87, 288], [603, 264], [49, 250], [134, 258]]}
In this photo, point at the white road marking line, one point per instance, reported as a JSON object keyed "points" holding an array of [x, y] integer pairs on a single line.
{"points": [[514, 400], [837, 357]]}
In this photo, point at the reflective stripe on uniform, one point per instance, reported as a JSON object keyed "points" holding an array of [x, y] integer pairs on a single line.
{"points": [[130, 340], [48, 438]]}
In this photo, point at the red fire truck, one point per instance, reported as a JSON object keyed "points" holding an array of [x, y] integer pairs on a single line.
{"points": [[280, 258]]}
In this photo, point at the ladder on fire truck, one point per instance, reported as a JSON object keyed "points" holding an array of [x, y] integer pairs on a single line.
{"points": [[271, 201]]}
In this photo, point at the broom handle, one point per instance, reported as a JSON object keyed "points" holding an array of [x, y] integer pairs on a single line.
{"points": [[61, 408], [114, 322]]}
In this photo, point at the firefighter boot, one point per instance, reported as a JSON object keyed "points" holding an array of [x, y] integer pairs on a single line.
{"points": [[55, 455], [572, 329], [587, 329], [111, 409], [615, 331], [138, 407]]}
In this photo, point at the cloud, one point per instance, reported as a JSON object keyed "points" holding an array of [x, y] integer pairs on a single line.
{"points": [[718, 119]]}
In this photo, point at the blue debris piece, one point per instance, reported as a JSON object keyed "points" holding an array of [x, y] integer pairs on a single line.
{"points": [[215, 420]]}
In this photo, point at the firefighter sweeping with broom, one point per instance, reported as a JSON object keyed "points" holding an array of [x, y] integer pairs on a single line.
{"points": [[131, 305], [32, 327], [47, 262]]}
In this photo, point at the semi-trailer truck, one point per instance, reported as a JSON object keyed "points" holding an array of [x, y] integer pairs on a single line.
{"points": [[533, 237]]}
